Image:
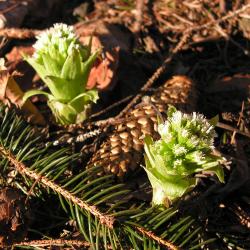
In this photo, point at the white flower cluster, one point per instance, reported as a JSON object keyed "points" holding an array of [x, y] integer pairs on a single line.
{"points": [[185, 141], [56, 41], [193, 127], [51, 35]]}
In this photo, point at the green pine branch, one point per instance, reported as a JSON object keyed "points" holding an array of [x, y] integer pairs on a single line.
{"points": [[104, 214]]}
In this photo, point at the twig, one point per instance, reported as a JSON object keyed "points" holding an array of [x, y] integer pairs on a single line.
{"points": [[241, 113], [182, 19], [21, 168], [230, 128], [179, 46], [222, 5], [139, 15], [103, 111], [232, 141], [55, 242], [242, 215], [151, 235], [78, 138], [6, 10], [156, 74], [3, 42], [220, 20], [31, 190], [224, 34], [111, 121], [19, 33]]}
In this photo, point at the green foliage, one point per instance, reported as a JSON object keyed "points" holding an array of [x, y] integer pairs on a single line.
{"points": [[185, 148], [64, 64], [25, 162]]}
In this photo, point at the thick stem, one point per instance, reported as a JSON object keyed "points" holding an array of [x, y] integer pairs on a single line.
{"points": [[160, 197]]}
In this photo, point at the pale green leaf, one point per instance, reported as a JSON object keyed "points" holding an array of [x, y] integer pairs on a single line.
{"points": [[92, 95], [84, 98], [63, 113], [160, 165], [148, 141], [218, 171], [171, 110], [72, 67], [63, 89], [30, 93], [86, 67], [159, 119], [51, 66], [39, 68], [214, 120], [172, 186]]}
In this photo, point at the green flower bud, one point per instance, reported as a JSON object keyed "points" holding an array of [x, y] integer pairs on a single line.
{"points": [[185, 148], [64, 64]]}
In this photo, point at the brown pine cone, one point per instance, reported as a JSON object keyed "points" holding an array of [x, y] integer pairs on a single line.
{"points": [[122, 151]]}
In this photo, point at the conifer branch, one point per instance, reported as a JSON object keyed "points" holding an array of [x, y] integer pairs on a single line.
{"points": [[23, 149], [22, 169], [55, 242], [154, 237]]}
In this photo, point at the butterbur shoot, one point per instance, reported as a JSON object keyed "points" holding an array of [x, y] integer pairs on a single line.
{"points": [[64, 64], [185, 148]]}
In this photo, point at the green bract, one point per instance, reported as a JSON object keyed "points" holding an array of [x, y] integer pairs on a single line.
{"points": [[64, 64], [185, 148]]}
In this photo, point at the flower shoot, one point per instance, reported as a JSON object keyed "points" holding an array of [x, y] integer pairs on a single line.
{"points": [[64, 64], [184, 149]]}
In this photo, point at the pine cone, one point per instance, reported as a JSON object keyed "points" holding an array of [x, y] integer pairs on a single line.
{"points": [[122, 151]]}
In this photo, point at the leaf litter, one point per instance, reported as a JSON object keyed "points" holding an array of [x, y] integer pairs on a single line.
{"points": [[136, 36]]}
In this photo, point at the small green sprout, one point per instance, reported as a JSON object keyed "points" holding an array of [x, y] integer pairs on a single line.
{"points": [[185, 148], [64, 64]]}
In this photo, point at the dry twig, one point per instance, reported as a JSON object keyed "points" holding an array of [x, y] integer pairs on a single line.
{"points": [[19, 33], [179, 46], [162, 242], [220, 20], [232, 129], [54, 242], [139, 15], [156, 74]]}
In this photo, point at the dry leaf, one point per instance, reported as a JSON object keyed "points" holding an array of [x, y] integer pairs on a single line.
{"points": [[10, 92], [16, 54], [14, 217], [112, 40], [103, 74]]}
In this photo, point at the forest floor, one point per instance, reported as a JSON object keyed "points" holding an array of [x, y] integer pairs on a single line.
{"points": [[144, 44]]}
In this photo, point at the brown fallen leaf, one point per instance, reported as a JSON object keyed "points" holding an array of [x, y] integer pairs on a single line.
{"points": [[112, 40], [15, 62], [11, 93], [103, 74], [16, 54], [14, 217]]}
